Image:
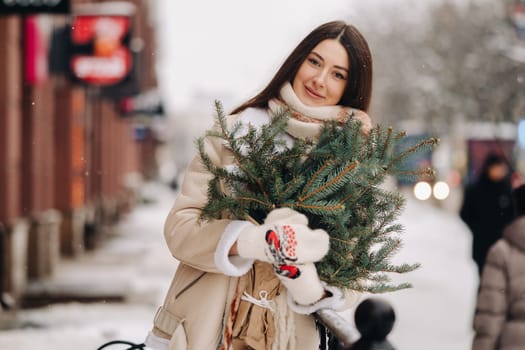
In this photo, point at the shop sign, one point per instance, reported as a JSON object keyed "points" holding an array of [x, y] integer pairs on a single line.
{"points": [[37, 31], [100, 49], [146, 103], [34, 6]]}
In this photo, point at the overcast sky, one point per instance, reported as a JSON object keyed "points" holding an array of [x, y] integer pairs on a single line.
{"points": [[229, 49]]}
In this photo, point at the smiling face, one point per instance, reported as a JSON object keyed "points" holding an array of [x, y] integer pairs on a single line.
{"points": [[322, 77]]}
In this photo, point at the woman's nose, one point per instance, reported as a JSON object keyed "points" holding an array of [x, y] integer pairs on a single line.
{"points": [[320, 78]]}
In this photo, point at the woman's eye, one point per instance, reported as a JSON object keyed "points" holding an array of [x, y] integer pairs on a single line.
{"points": [[313, 61], [340, 76]]}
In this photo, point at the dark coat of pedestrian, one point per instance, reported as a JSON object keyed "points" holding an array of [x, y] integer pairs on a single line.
{"points": [[499, 321], [487, 206]]}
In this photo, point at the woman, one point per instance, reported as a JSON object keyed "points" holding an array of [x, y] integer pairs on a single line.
{"points": [[234, 289], [499, 321]]}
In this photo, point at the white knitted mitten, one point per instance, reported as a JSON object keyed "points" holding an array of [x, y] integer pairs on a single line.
{"points": [[302, 282], [306, 292], [283, 239]]}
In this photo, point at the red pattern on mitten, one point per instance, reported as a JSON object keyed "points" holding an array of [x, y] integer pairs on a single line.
{"points": [[285, 241]]}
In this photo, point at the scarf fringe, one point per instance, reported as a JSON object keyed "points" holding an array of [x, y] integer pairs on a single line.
{"points": [[284, 320]]}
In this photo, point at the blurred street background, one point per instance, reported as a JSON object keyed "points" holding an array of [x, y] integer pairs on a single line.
{"points": [[100, 105], [113, 292]]}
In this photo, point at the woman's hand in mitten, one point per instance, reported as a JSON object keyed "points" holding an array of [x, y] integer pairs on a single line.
{"points": [[302, 282], [284, 238], [306, 292]]}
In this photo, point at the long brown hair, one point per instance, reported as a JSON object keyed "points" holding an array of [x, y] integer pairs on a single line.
{"points": [[358, 90]]}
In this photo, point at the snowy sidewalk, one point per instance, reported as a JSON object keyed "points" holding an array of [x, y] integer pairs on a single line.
{"points": [[133, 264], [437, 313], [434, 315]]}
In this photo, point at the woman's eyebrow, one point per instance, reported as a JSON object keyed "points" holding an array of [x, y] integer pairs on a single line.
{"points": [[322, 59], [318, 56]]}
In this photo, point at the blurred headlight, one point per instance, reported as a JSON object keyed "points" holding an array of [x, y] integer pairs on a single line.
{"points": [[441, 190], [422, 190]]}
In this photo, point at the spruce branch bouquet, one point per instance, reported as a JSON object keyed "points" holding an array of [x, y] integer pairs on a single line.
{"points": [[335, 181]]}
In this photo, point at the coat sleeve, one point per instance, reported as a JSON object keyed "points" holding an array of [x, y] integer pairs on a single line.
{"points": [[492, 302], [339, 300], [198, 243]]}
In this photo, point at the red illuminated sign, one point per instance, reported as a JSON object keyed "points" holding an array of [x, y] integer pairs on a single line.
{"points": [[36, 32], [100, 52]]}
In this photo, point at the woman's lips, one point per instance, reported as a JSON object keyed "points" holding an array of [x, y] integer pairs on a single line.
{"points": [[313, 93]]}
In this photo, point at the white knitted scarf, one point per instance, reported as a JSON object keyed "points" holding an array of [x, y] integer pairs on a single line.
{"points": [[305, 121]]}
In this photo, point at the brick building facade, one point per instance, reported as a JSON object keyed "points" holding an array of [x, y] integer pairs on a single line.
{"points": [[66, 152]]}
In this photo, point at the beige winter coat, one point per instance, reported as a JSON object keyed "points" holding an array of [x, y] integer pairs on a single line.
{"points": [[500, 312], [201, 293]]}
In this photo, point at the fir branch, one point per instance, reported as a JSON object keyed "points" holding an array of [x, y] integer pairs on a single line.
{"points": [[368, 144], [230, 138], [400, 135], [385, 287], [363, 191], [314, 178], [336, 272], [318, 207], [291, 187], [247, 199], [335, 183], [432, 142], [386, 142]]}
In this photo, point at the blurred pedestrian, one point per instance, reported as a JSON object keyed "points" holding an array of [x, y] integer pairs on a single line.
{"points": [[235, 287], [487, 206], [499, 320]]}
